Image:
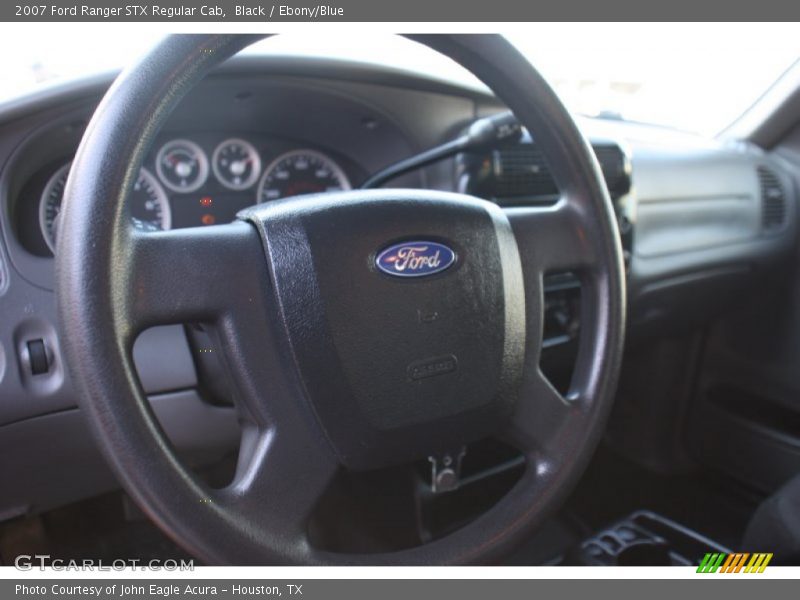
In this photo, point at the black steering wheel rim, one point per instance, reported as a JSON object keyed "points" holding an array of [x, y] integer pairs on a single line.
{"points": [[104, 280]]}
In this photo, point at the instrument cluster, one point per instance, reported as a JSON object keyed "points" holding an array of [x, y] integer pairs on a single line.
{"points": [[204, 180]]}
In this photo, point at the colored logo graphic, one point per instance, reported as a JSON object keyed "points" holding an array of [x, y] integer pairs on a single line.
{"points": [[738, 562], [415, 259]]}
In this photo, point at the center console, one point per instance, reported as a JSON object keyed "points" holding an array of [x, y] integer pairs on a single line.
{"points": [[644, 539]]}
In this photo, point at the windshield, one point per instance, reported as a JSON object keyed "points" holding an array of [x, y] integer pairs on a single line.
{"points": [[694, 77]]}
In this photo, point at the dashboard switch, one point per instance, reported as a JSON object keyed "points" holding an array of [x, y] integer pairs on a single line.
{"points": [[37, 356]]}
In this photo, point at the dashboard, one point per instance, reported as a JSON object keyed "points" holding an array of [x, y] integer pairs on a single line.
{"points": [[697, 218]]}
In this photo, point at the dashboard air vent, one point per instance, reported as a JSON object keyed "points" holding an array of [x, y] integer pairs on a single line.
{"points": [[522, 171], [519, 174], [773, 200]]}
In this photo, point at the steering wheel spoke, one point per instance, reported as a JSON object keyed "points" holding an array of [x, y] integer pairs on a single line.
{"points": [[282, 474], [553, 238], [193, 274], [540, 414]]}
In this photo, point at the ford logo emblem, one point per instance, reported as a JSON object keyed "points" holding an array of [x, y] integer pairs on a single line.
{"points": [[415, 259]]}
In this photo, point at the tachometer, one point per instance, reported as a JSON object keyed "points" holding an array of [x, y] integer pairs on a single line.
{"points": [[236, 164], [149, 204], [182, 166], [301, 172]]}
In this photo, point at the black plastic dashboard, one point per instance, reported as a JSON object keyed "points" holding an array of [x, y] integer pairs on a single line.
{"points": [[697, 219]]}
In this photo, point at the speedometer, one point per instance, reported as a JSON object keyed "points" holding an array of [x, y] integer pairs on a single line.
{"points": [[149, 204], [301, 172]]}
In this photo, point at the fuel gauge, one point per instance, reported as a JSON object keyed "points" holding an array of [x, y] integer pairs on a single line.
{"points": [[182, 166], [236, 164]]}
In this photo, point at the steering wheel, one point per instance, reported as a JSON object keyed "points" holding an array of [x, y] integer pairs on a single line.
{"points": [[335, 362]]}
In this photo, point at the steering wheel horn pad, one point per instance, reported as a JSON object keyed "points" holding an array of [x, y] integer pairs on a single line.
{"points": [[333, 362], [398, 368]]}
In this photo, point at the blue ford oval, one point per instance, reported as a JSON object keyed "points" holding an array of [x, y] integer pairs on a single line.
{"points": [[415, 259]]}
